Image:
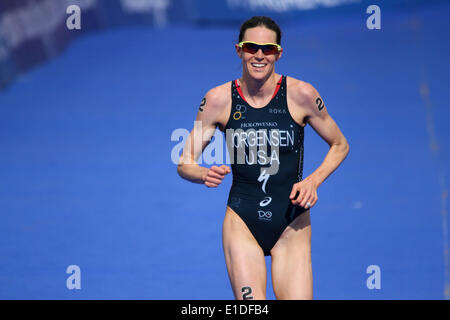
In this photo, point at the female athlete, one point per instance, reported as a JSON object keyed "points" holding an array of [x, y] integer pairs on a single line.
{"points": [[263, 115]]}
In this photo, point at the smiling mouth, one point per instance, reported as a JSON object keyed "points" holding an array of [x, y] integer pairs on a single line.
{"points": [[259, 65]]}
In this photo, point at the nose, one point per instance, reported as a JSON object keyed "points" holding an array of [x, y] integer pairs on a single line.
{"points": [[259, 54]]}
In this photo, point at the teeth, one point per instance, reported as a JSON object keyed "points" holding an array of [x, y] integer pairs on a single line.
{"points": [[258, 65]]}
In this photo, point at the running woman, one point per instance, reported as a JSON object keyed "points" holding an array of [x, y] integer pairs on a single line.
{"points": [[263, 115]]}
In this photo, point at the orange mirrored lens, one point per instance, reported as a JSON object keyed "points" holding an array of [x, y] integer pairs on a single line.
{"points": [[253, 48]]}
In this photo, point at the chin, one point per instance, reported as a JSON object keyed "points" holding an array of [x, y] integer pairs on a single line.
{"points": [[259, 75]]}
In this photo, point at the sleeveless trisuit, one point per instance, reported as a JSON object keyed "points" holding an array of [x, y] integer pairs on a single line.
{"points": [[266, 152]]}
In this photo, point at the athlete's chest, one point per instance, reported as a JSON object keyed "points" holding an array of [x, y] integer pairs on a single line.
{"points": [[270, 127], [273, 116]]}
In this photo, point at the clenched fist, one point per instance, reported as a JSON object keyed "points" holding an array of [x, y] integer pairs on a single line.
{"points": [[215, 175]]}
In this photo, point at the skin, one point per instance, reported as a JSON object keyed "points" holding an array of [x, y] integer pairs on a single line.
{"points": [[291, 255]]}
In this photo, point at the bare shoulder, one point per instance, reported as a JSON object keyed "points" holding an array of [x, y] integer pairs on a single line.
{"points": [[301, 97], [218, 97], [216, 105], [301, 92]]}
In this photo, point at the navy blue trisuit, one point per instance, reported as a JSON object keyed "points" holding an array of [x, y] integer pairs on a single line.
{"points": [[265, 146]]}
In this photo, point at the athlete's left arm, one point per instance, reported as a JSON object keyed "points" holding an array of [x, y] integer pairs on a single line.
{"points": [[317, 116]]}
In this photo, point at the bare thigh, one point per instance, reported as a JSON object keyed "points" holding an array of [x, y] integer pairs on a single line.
{"points": [[244, 258], [291, 261]]}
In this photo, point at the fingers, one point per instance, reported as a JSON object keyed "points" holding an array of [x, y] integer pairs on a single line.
{"points": [[227, 169], [223, 169], [306, 202], [293, 193], [309, 200], [215, 175], [212, 182], [304, 195]]}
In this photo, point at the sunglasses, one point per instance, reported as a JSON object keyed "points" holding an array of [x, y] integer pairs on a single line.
{"points": [[253, 47]]}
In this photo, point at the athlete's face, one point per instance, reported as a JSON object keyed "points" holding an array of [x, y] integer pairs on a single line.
{"points": [[258, 65]]}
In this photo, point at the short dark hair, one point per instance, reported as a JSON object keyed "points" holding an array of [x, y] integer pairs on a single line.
{"points": [[260, 21]]}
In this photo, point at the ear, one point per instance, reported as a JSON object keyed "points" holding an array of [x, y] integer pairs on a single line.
{"points": [[280, 54]]}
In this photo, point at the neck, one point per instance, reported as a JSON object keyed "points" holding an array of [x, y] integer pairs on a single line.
{"points": [[258, 88]]}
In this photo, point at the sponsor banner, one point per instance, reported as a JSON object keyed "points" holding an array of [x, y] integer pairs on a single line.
{"points": [[238, 10], [33, 31], [280, 10], [125, 12]]}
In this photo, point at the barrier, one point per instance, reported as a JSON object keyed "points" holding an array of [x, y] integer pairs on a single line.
{"points": [[34, 31]]}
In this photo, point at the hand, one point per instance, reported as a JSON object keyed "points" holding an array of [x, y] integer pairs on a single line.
{"points": [[215, 175], [307, 193]]}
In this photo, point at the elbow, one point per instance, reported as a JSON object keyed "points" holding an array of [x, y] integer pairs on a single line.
{"points": [[346, 148], [180, 170], [342, 147]]}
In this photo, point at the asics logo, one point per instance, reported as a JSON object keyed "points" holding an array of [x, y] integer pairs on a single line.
{"points": [[265, 215], [265, 202]]}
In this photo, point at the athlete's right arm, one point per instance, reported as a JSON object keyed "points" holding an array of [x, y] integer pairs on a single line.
{"points": [[210, 114]]}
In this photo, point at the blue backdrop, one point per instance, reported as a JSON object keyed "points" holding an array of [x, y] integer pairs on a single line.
{"points": [[86, 176]]}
